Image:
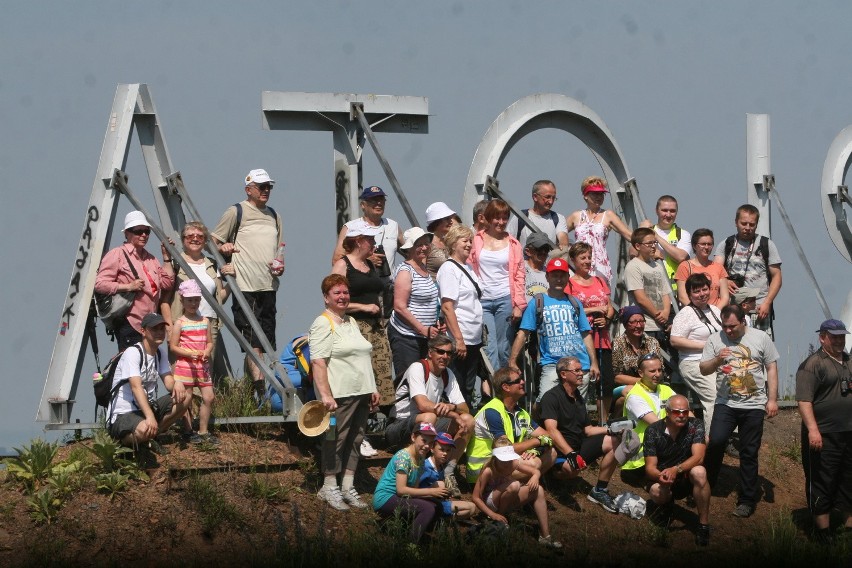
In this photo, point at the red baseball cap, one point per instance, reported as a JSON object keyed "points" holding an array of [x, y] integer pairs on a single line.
{"points": [[557, 264]]}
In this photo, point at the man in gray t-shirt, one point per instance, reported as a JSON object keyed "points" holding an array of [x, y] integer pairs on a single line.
{"points": [[745, 362], [751, 263]]}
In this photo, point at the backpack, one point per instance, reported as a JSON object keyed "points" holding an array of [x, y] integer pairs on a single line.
{"points": [[232, 236], [445, 377], [554, 218], [539, 309], [103, 393], [762, 250], [300, 360]]}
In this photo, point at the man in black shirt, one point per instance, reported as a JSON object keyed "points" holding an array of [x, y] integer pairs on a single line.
{"points": [[674, 454]]}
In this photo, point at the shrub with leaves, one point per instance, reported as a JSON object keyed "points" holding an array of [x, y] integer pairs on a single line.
{"points": [[112, 455], [32, 466], [44, 506], [66, 477], [112, 483]]}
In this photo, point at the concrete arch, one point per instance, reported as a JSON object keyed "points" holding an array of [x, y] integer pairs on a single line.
{"points": [[837, 163], [549, 110]]}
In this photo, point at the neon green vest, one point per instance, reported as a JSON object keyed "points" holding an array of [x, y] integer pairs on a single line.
{"points": [[479, 449], [639, 390], [671, 264]]}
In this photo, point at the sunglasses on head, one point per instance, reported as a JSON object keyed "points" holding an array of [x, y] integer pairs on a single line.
{"points": [[140, 231], [648, 357]]}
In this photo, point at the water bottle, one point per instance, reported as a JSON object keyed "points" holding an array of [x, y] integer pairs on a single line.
{"points": [[331, 433], [278, 261]]}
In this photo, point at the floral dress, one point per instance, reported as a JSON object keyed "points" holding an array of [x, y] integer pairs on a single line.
{"points": [[594, 234]]}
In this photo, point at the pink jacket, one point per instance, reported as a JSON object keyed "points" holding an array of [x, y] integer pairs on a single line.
{"points": [[517, 275], [114, 271]]}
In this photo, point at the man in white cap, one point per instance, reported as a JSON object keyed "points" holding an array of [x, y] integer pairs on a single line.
{"points": [[824, 394], [250, 234], [549, 222]]}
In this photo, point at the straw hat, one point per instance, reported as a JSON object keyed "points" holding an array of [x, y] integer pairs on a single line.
{"points": [[313, 418]]}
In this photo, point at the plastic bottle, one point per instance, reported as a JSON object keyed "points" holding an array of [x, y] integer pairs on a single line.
{"points": [[278, 261], [331, 433]]}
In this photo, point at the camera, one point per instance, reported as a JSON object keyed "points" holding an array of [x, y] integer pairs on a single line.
{"points": [[384, 270], [738, 279]]}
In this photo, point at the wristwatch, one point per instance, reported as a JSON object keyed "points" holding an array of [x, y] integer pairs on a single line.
{"points": [[679, 469]]}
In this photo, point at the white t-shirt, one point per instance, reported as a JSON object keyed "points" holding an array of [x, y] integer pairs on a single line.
{"points": [[684, 244], [454, 285], [689, 325], [413, 384], [494, 273], [650, 277], [204, 308], [388, 235], [544, 223], [132, 365], [637, 406]]}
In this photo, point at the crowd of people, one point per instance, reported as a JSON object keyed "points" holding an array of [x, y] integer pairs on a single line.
{"points": [[435, 342]]}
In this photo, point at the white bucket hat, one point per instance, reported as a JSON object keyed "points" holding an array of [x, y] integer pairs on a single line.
{"points": [[438, 210], [135, 219], [411, 236]]}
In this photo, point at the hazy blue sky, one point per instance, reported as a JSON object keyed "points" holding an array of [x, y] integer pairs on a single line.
{"points": [[672, 80]]}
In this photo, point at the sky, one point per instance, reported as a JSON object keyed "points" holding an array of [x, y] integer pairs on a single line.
{"points": [[673, 81]]}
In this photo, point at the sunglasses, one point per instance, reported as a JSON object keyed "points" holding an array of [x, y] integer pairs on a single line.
{"points": [[515, 382], [194, 238], [648, 357], [440, 351], [679, 412], [142, 231]]}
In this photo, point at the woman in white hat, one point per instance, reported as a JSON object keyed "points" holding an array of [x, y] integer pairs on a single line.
{"points": [[439, 220], [366, 288], [414, 320], [131, 268]]}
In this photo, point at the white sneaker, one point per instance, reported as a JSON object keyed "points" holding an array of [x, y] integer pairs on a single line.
{"points": [[334, 497], [367, 450], [352, 498]]}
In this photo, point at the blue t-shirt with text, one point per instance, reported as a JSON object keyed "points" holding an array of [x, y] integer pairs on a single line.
{"points": [[559, 331]]}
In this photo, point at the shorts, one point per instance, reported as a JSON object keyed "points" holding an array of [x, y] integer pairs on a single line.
{"points": [[262, 305], [591, 448], [398, 432], [126, 423]]}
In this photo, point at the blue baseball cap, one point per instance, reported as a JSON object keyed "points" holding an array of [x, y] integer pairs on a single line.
{"points": [[445, 439], [834, 327], [370, 192]]}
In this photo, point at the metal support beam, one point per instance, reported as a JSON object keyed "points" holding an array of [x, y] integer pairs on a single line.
{"points": [[769, 186], [758, 165], [492, 188], [334, 112]]}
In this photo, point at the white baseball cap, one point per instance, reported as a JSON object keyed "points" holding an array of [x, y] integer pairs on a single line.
{"points": [[135, 219], [506, 453], [362, 229], [438, 210], [259, 176]]}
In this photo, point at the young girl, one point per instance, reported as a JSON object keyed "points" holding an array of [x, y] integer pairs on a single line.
{"points": [[400, 480], [433, 476], [497, 492], [191, 343]]}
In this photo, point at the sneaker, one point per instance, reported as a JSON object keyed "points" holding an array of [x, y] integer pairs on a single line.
{"points": [[196, 438], [732, 450], [602, 498], [352, 498], [743, 510], [209, 438], [146, 459], [334, 497], [549, 542], [367, 449], [702, 535], [158, 448], [452, 486]]}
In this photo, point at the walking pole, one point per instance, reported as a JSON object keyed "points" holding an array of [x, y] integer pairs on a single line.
{"points": [[601, 416]]}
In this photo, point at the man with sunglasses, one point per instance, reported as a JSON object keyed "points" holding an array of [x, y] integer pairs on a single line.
{"points": [[536, 250], [674, 457], [576, 441], [745, 362], [429, 392], [131, 268], [249, 233]]}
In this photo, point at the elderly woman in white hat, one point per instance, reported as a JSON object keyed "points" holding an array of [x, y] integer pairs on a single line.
{"points": [[439, 220], [365, 306], [415, 303], [131, 268]]}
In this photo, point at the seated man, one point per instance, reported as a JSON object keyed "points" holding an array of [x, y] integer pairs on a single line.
{"points": [[576, 441], [502, 416], [674, 457], [419, 399], [135, 415], [645, 405]]}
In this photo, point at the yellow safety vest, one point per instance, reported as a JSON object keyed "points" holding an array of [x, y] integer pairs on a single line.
{"points": [[670, 263], [640, 390], [479, 448]]}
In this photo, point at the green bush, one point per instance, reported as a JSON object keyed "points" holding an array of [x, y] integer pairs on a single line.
{"points": [[32, 466]]}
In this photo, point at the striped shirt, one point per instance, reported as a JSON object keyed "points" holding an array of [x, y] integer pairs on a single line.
{"points": [[193, 335], [422, 302]]}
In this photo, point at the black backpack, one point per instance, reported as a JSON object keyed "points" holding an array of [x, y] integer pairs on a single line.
{"points": [[554, 218], [103, 393], [762, 250]]}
